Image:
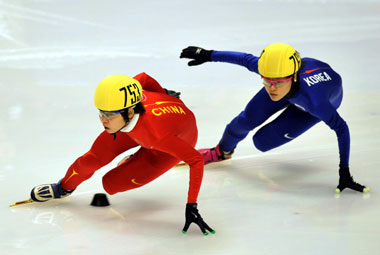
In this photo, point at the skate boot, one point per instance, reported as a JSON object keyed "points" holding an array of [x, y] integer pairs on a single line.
{"points": [[214, 154], [45, 192]]}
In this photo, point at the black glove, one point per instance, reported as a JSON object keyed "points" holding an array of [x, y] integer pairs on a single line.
{"points": [[346, 181], [192, 215], [199, 55], [173, 93]]}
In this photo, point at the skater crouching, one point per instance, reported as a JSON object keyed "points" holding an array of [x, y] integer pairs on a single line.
{"points": [[308, 90], [137, 112]]}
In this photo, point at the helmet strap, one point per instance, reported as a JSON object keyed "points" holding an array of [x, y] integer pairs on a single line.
{"points": [[125, 115], [114, 134], [293, 88]]}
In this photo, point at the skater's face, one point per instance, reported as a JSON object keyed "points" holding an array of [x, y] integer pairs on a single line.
{"points": [[113, 121], [277, 88]]}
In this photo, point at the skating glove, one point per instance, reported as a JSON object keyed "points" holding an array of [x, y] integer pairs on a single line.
{"points": [[192, 216], [347, 181], [173, 93], [198, 55]]}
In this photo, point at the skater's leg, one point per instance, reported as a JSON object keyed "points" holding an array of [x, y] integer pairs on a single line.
{"points": [[143, 167], [258, 110], [291, 123]]}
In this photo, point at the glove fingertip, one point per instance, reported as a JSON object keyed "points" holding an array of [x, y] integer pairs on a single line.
{"points": [[184, 232], [205, 234], [337, 190], [186, 227], [212, 232], [366, 190]]}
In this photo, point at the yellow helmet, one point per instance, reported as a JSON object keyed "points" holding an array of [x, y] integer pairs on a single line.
{"points": [[279, 60], [117, 92]]}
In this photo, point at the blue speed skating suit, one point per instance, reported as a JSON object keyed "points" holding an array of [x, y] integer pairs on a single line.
{"points": [[316, 96]]}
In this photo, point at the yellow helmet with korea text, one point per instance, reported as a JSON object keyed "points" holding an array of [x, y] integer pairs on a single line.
{"points": [[279, 60], [117, 92]]}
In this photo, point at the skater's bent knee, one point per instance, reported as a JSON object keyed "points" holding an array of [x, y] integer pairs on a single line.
{"points": [[113, 186], [107, 185], [107, 188], [260, 144]]}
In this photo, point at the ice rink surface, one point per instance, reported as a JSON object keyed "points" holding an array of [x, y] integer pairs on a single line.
{"points": [[54, 53]]}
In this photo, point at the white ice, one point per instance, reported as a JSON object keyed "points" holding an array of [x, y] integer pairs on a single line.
{"points": [[54, 53]]}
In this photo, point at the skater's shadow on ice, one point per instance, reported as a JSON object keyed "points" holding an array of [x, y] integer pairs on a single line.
{"points": [[125, 214], [281, 176]]}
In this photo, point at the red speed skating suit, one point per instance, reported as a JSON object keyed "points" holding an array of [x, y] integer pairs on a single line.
{"points": [[167, 134]]}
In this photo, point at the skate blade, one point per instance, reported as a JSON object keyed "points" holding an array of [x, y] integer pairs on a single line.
{"points": [[226, 161], [22, 202], [181, 164]]}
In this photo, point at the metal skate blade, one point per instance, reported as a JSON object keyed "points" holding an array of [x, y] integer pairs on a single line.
{"points": [[181, 164], [22, 202]]}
